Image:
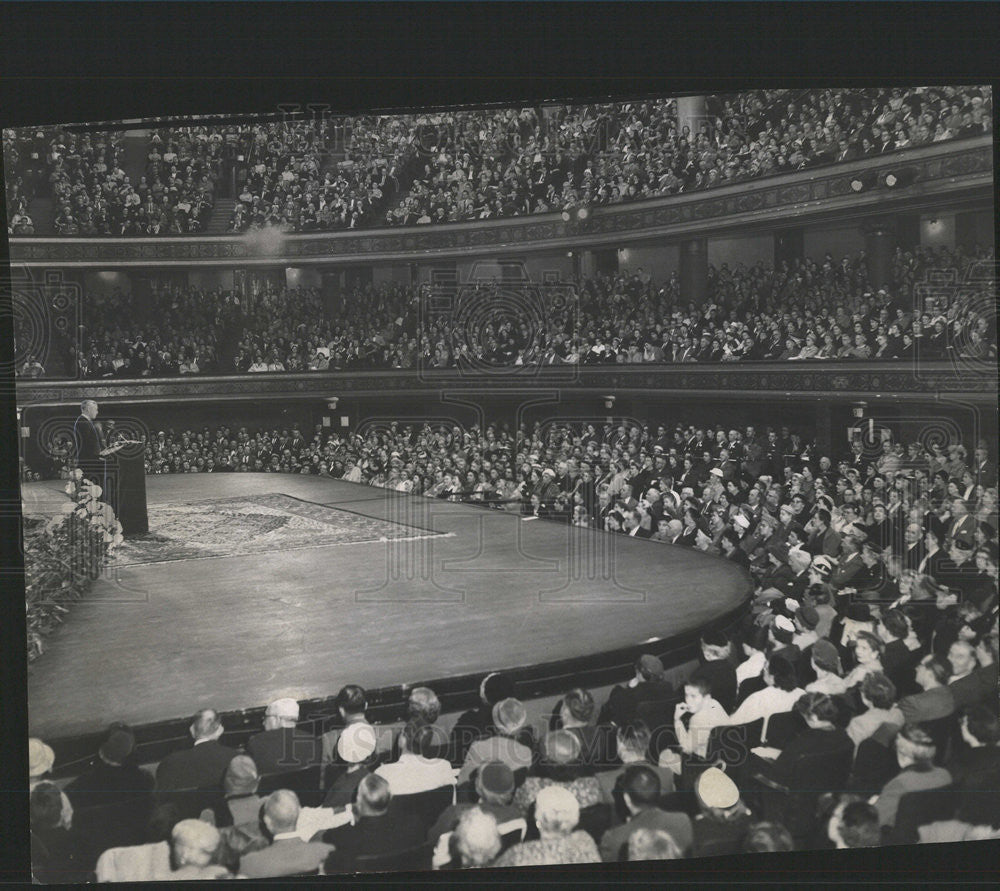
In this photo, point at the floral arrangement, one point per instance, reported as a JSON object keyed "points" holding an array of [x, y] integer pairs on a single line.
{"points": [[64, 554]]}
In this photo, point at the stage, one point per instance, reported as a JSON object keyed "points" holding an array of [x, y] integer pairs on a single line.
{"points": [[255, 586]]}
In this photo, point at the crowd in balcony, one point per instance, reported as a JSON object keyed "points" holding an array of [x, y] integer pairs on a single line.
{"points": [[854, 706], [472, 165], [92, 195], [292, 184], [805, 310]]}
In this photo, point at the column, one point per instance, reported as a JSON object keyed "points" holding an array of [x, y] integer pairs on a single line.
{"points": [[694, 270], [691, 113], [880, 245]]}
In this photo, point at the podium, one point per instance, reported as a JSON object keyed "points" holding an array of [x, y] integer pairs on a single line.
{"points": [[130, 494]]}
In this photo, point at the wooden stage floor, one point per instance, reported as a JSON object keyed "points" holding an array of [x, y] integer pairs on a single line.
{"points": [[464, 590]]}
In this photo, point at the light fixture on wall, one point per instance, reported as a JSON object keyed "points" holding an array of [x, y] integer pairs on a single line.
{"points": [[864, 182], [900, 179]]}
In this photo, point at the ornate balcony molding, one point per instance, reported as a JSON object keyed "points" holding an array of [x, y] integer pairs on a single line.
{"points": [[764, 380], [959, 170]]}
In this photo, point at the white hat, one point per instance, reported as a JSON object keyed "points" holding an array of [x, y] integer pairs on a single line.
{"points": [[283, 708], [784, 623], [40, 758], [357, 742], [716, 789], [716, 472], [741, 521]]}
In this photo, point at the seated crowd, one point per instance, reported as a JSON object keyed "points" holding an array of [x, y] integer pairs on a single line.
{"points": [[481, 164], [289, 185], [780, 738], [802, 310], [854, 705]]}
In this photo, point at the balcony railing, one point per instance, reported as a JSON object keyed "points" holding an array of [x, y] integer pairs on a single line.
{"points": [[960, 379], [956, 171]]}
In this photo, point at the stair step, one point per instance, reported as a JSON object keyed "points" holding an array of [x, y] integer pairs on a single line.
{"points": [[218, 222]]}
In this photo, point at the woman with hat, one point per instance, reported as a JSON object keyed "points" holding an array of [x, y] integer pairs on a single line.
{"points": [[355, 748], [723, 819]]}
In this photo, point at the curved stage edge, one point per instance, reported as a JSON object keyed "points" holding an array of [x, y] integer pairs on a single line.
{"points": [[630, 623]]}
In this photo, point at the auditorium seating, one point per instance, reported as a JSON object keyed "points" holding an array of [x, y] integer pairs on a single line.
{"points": [[348, 172]]}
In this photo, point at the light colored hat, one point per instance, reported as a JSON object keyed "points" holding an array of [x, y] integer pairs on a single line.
{"points": [[509, 716], [715, 471], [40, 758], [284, 708], [741, 521], [716, 789], [356, 743], [784, 623]]}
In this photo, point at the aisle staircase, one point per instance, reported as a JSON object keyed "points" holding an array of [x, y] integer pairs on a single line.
{"points": [[43, 214], [222, 212], [134, 151]]}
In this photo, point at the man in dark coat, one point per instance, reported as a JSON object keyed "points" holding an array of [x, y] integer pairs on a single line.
{"points": [[89, 444], [376, 828], [203, 765], [281, 746]]}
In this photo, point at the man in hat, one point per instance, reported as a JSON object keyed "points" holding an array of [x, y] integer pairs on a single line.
{"points": [[112, 799], [282, 747], [203, 765], [641, 790]]}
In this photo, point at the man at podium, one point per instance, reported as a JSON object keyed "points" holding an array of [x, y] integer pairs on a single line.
{"points": [[121, 477], [91, 455]]}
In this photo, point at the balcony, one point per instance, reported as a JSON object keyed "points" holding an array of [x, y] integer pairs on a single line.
{"points": [[944, 172]]}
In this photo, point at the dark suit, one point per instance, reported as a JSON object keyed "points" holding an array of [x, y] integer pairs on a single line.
{"points": [[89, 443], [721, 674], [284, 749], [986, 474], [827, 542], [677, 825], [913, 555], [371, 835], [200, 767], [284, 857]]}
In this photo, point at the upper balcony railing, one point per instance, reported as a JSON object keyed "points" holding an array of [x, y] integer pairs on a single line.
{"points": [[957, 171], [962, 379]]}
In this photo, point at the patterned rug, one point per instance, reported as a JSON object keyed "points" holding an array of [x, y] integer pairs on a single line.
{"points": [[253, 524]]}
